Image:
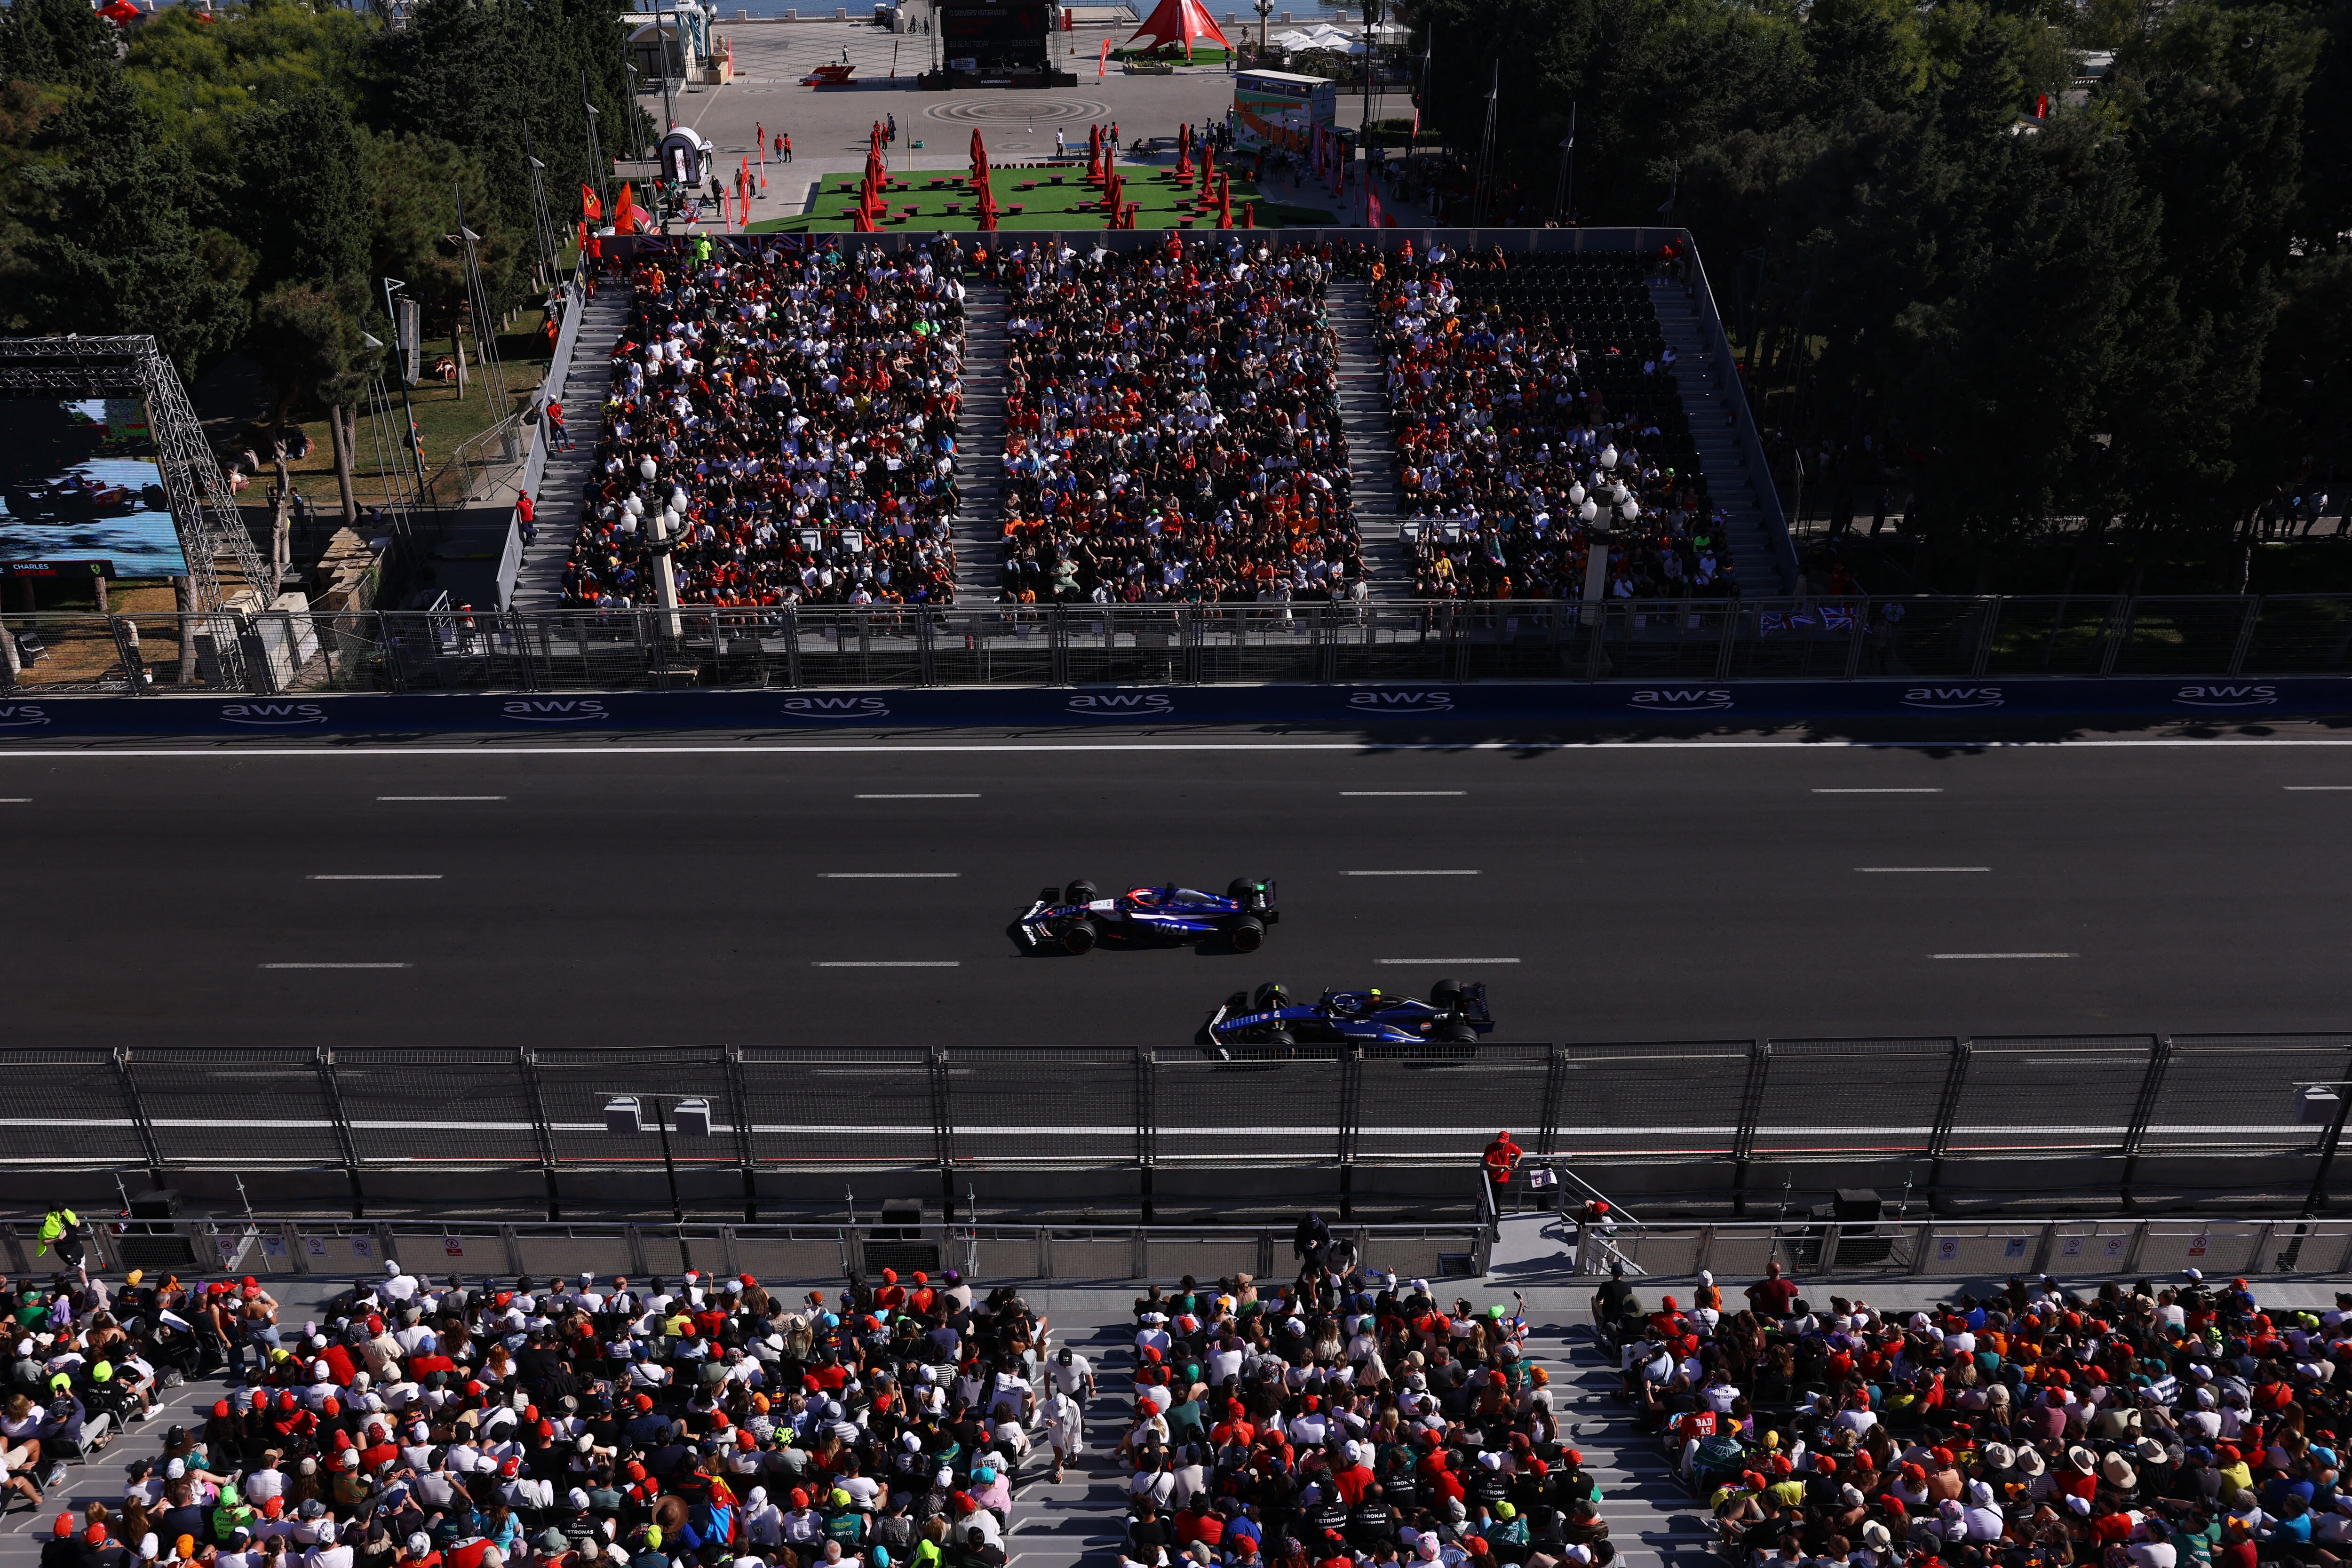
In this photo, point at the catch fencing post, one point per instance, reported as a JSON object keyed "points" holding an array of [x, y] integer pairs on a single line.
{"points": [[1751, 1106], [138, 1106], [2151, 1084], [943, 1133], [527, 1063], [333, 1093], [1351, 1089], [1948, 1108], [1555, 1088], [1147, 1129], [739, 1110]]}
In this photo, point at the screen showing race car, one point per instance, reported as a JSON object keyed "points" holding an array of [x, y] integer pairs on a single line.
{"points": [[79, 483]]}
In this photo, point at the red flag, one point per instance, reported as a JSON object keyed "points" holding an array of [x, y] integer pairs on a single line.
{"points": [[1371, 205], [626, 216], [1102, 61], [590, 208]]}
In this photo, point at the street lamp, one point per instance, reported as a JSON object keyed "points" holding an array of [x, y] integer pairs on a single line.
{"points": [[624, 1117]]}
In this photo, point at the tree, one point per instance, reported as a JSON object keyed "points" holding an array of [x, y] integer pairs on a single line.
{"points": [[311, 344], [114, 251], [305, 209], [55, 41]]}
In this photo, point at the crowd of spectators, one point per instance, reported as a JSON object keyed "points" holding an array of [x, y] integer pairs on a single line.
{"points": [[2140, 1426], [557, 1423], [1347, 1419], [1533, 404], [795, 409], [1172, 426]]}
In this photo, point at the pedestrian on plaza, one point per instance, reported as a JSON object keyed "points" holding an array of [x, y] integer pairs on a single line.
{"points": [[890, 136], [784, 148]]}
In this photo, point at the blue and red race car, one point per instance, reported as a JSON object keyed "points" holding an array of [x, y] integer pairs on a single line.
{"points": [[1076, 917], [1383, 1022]]}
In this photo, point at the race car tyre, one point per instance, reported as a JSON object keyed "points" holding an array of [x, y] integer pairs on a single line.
{"points": [[1454, 1032], [1247, 933], [1078, 936], [1445, 994], [1279, 1037], [1080, 892], [1271, 996]]}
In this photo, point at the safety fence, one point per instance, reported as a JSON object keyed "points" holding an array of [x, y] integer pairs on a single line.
{"points": [[275, 1246], [803, 1109], [2070, 1249], [1925, 638]]}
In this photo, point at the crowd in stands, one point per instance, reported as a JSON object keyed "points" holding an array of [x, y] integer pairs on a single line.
{"points": [[798, 408], [1172, 426], [2137, 1427], [1533, 402], [557, 1423], [1346, 1419]]}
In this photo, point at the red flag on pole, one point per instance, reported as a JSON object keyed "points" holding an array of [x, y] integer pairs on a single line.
{"points": [[1371, 205], [1102, 61]]}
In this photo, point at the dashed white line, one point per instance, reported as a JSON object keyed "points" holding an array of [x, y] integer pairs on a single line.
{"points": [[339, 967], [1397, 794], [2314, 789], [1936, 791], [375, 877], [1876, 870], [15, 800], [440, 797], [972, 795], [1459, 961], [2004, 955], [889, 876], [1408, 873], [890, 964]]}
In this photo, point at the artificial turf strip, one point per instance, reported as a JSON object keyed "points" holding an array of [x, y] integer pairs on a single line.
{"points": [[1161, 203]]}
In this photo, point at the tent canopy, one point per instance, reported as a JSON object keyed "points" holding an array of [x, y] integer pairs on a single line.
{"points": [[1179, 22]]}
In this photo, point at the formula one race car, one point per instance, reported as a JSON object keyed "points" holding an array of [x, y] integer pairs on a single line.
{"points": [[1076, 917], [1385, 1023]]}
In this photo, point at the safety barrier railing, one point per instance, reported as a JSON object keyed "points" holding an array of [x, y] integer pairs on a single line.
{"points": [[276, 1246], [2121, 1246], [1934, 640], [779, 1110]]}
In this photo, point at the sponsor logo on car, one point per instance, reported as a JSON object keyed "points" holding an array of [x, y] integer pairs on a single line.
{"points": [[1942, 698], [1402, 701], [2227, 696], [557, 711], [1680, 699], [1121, 704], [21, 715], [274, 713], [836, 707]]}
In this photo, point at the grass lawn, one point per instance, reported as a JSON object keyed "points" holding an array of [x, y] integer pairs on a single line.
{"points": [[1163, 203]]}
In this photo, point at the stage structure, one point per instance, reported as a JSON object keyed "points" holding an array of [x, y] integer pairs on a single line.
{"points": [[997, 43], [226, 571]]}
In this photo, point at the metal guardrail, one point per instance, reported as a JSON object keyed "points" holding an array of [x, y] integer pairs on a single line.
{"points": [[2120, 1247], [778, 1109], [1927, 639], [311, 1247]]}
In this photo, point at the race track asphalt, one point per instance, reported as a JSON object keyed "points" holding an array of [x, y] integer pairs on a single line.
{"points": [[625, 893]]}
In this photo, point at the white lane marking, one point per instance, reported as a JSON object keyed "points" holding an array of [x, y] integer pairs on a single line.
{"points": [[15, 800], [1353, 748], [889, 876], [375, 877], [440, 797], [1408, 873], [890, 964], [974, 796], [1936, 791], [2004, 955], [339, 967], [2313, 789], [1884, 868], [1463, 961], [1396, 794]]}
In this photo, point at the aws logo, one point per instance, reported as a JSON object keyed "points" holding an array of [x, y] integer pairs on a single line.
{"points": [[1680, 699], [1121, 704], [274, 713], [2226, 696], [1402, 701], [557, 711], [21, 715], [836, 707], [1944, 698]]}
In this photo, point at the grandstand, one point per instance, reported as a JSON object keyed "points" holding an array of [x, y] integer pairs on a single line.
{"points": [[1073, 464]]}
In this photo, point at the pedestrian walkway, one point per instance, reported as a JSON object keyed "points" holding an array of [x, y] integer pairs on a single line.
{"points": [[1371, 444], [1709, 390], [564, 484], [980, 448]]}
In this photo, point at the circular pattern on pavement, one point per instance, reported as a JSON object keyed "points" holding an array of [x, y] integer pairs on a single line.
{"points": [[998, 111]]}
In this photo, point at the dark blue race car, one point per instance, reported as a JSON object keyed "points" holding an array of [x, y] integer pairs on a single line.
{"points": [[1382, 1021], [1076, 917]]}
